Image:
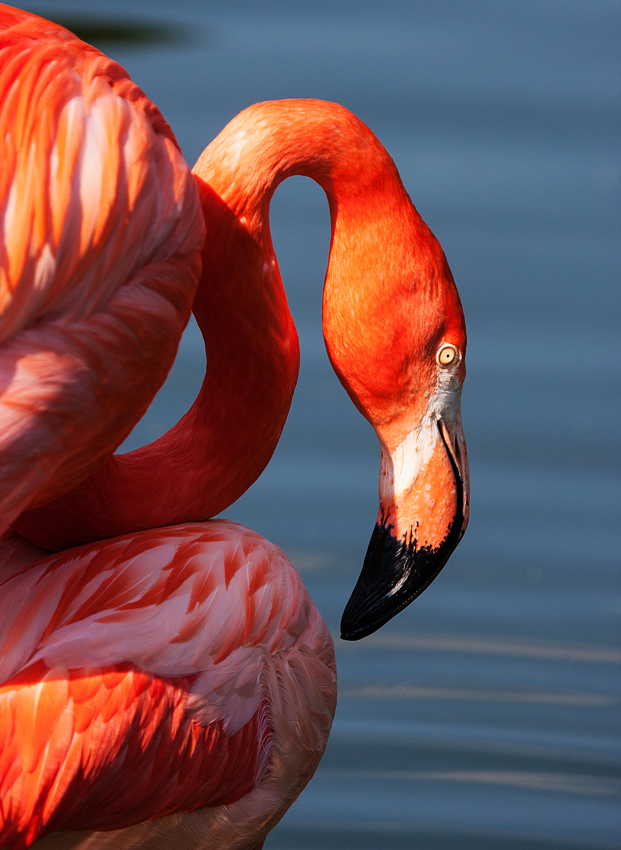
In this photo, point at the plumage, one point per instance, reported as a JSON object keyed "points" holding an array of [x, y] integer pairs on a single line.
{"points": [[129, 692], [99, 258]]}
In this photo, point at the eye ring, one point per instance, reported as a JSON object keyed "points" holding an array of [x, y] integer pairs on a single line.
{"points": [[447, 355]]}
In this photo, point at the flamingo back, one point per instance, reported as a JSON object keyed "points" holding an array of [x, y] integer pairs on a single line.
{"points": [[99, 257]]}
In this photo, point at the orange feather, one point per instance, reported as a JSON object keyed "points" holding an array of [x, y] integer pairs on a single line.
{"points": [[98, 263], [110, 690]]}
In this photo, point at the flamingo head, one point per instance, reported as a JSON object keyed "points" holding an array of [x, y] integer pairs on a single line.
{"points": [[399, 349]]}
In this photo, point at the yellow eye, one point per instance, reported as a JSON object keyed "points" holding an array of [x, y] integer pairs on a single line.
{"points": [[447, 355]]}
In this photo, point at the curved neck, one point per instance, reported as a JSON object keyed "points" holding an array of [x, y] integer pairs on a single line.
{"points": [[383, 257], [226, 439]]}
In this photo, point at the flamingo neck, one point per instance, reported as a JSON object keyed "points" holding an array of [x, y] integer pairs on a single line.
{"points": [[384, 262], [226, 439]]}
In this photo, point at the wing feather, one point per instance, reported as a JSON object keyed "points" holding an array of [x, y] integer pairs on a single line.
{"points": [[100, 233], [76, 763], [133, 704]]}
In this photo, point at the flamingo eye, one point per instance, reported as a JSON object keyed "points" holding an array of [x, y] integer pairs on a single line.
{"points": [[447, 355]]}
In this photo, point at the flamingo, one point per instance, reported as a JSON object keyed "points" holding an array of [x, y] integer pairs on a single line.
{"points": [[167, 682]]}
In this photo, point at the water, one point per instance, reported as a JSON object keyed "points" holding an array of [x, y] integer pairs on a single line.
{"points": [[487, 714]]}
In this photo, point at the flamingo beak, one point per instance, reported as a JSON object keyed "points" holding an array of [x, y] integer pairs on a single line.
{"points": [[424, 491]]}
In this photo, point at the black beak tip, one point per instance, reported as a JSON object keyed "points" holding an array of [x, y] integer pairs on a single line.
{"points": [[394, 573], [352, 630]]}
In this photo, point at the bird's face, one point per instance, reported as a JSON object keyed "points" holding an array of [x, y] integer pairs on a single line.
{"points": [[412, 396], [423, 459]]}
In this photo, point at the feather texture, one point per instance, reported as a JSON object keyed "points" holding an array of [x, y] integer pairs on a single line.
{"points": [[99, 257], [188, 661]]}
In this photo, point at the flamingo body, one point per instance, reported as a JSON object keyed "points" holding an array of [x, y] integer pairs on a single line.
{"points": [[183, 670]]}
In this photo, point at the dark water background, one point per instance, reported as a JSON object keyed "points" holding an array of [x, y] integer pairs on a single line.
{"points": [[487, 714]]}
